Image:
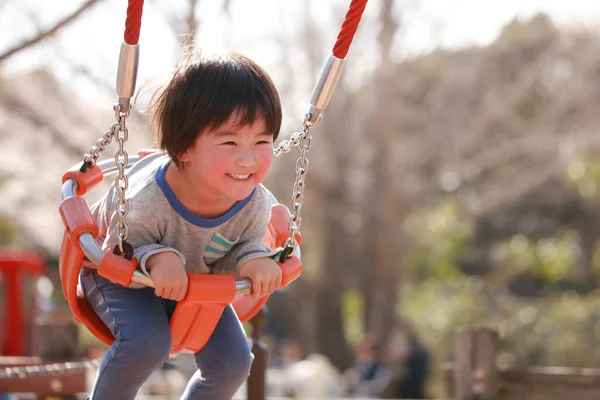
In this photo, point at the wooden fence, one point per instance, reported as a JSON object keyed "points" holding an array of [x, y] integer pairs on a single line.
{"points": [[474, 375]]}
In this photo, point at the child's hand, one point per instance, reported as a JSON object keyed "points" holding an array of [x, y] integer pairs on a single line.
{"points": [[264, 273], [168, 274]]}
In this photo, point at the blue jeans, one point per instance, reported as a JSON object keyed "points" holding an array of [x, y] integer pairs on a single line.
{"points": [[139, 320]]}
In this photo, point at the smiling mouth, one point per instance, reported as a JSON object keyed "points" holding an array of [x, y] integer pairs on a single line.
{"points": [[239, 177]]}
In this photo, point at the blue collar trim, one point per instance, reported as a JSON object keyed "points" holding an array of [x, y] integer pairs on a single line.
{"points": [[188, 215]]}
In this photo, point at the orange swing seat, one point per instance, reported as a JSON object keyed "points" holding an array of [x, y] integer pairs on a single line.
{"points": [[196, 316]]}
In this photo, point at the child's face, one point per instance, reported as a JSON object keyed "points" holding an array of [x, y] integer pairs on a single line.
{"points": [[231, 160]]}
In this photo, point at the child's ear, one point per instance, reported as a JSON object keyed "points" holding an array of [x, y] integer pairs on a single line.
{"points": [[185, 156]]}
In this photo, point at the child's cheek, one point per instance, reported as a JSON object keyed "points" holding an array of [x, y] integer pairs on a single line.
{"points": [[220, 162], [266, 160], [265, 164], [214, 166]]}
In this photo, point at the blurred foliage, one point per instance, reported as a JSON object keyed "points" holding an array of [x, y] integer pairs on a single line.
{"points": [[439, 236], [556, 330], [8, 231], [554, 326], [584, 176], [353, 311], [550, 260]]}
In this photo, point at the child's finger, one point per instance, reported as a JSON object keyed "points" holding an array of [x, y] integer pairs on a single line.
{"points": [[272, 286], [182, 292], [264, 288], [170, 293], [256, 284]]}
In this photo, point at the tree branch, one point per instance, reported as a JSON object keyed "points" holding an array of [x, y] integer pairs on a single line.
{"points": [[18, 107], [49, 32]]}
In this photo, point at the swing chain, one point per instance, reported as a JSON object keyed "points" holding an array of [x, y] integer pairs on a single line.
{"points": [[48, 369], [304, 141], [118, 131], [286, 145], [121, 180], [90, 159]]}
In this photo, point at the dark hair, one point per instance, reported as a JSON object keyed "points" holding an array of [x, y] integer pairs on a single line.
{"points": [[205, 91]]}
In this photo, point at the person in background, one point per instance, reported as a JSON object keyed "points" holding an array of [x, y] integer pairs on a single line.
{"points": [[410, 364], [369, 376]]}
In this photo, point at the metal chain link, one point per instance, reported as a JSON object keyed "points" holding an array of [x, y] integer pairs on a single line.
{"points": [[49, 369], [92, 157], [121, 180], [286, 145], [303, 140], [118, 130]]}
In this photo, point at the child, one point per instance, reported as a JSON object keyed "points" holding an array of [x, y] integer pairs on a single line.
{"points": [[198, 208]]}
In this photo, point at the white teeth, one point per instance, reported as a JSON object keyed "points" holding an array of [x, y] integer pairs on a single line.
{"points": [[239, 176]]}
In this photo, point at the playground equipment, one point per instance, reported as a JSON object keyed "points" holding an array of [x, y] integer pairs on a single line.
{"points": [[195, 316], [15, 268]]}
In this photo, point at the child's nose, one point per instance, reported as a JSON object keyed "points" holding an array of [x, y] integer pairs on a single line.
{"points": [[246, 159]]}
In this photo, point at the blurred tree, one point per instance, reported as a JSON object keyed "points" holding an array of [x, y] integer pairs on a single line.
{"points": [[384, 209], [45, 33]]}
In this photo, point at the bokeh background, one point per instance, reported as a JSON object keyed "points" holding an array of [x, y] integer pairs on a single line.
{"points": [[453, 180]]}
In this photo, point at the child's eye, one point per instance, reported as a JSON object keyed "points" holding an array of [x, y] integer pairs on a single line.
{"points": [[229, 144], [264, 142]]}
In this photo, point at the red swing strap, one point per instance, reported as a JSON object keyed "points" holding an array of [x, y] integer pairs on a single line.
{"points": [[129, 56], [133, 23], [349, 27], [332, 68]]}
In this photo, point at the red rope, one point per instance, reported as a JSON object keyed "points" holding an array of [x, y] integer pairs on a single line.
{"points": [[344, 39], [134, 21]]}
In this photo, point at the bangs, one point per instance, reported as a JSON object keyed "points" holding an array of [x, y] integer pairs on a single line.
{"points": [[205, 93], [240, 91]]}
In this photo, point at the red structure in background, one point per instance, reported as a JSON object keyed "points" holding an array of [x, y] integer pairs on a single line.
{"points": [[15, 268]]}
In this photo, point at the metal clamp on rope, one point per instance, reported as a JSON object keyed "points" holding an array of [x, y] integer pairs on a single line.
{"points": [[325, 86], [127, 74]]}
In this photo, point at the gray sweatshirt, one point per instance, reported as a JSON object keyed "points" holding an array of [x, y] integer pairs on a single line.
{"points": [[158, 222]]}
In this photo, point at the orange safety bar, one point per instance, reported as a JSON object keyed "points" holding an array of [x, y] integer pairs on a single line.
{"points": [[85, 180], [277, 233], [196, 316]]}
